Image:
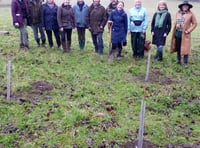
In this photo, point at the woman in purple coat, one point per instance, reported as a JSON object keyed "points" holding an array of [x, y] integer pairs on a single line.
{"points": [[20, 15], [160, 28], [118, 21]]}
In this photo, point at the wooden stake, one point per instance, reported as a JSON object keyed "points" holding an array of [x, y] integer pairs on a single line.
{"points": [[8, 79]]}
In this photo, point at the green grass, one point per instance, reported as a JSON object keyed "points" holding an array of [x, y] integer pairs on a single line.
{"points": [[93, 98]]}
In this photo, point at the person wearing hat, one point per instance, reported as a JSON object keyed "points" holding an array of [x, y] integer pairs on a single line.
{"points": [[185, 23]]}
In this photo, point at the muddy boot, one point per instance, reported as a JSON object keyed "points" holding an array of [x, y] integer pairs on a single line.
{"points": [[64, 46]]}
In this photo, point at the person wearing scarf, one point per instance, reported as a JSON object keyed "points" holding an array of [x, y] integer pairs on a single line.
{"points": [[80, 12], [118, 21], [160, 28]]}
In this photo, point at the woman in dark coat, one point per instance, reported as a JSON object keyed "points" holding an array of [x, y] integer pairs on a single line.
{"points": [[66, 22], [118, 22], [49, 22], [160, 28]]}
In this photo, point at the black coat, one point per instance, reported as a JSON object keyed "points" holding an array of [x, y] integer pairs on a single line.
{"points": [[158, 37]]}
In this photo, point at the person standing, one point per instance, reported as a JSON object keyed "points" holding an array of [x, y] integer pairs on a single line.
{"points": [[80, 11], [118, 21], [137, 26], [185, 23], [160, 28], [35, 11], [96, 21], [66, 22], [49, 22], [21, 18]]}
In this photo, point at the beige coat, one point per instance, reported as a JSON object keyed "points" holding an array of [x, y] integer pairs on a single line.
{"points": [[189, 25]]}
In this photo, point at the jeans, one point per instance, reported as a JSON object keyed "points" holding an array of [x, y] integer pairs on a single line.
{"points": [[36, 29], [24, 34], [98, 42], [57, 36]]}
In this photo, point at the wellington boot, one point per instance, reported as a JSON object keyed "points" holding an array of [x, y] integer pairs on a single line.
{"points": [[64, 46]]}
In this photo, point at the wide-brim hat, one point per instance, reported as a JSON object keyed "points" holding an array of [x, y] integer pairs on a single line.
{"points": [[185, 3]]}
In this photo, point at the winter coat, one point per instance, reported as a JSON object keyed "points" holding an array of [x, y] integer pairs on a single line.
{"points": [[35, 8], [119, 27], [158, 37], [80, 16], [17, 13], [137, 14], [49, 17], [65, 17], [96, 19], [189, 25]]}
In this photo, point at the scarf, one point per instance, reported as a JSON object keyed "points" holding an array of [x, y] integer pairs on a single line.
{"points": [[160, 16]]}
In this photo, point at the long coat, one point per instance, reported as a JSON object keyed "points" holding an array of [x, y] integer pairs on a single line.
{"points": [[49, 17], [65, 17], [189, 25], [80, 16], [35, 8], [158, 37], [17, 13], [96, 18], [120, 27]]}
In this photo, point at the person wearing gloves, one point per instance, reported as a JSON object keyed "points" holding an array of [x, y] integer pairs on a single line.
{"points": [[118, 23]]}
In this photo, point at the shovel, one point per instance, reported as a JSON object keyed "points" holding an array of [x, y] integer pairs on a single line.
{"points": [[147, 48]]}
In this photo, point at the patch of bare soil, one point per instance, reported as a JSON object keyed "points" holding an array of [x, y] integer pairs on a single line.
{"points": [[39, 90], [155, 76], [134, 144]]}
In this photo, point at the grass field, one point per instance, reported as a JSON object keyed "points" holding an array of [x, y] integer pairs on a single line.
{"points": [[81, 100]]}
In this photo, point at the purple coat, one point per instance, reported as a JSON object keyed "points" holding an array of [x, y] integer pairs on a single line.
{"points": [[17, 14]]}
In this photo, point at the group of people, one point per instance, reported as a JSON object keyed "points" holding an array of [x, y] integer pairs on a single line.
{"points": [[46, 16]]}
